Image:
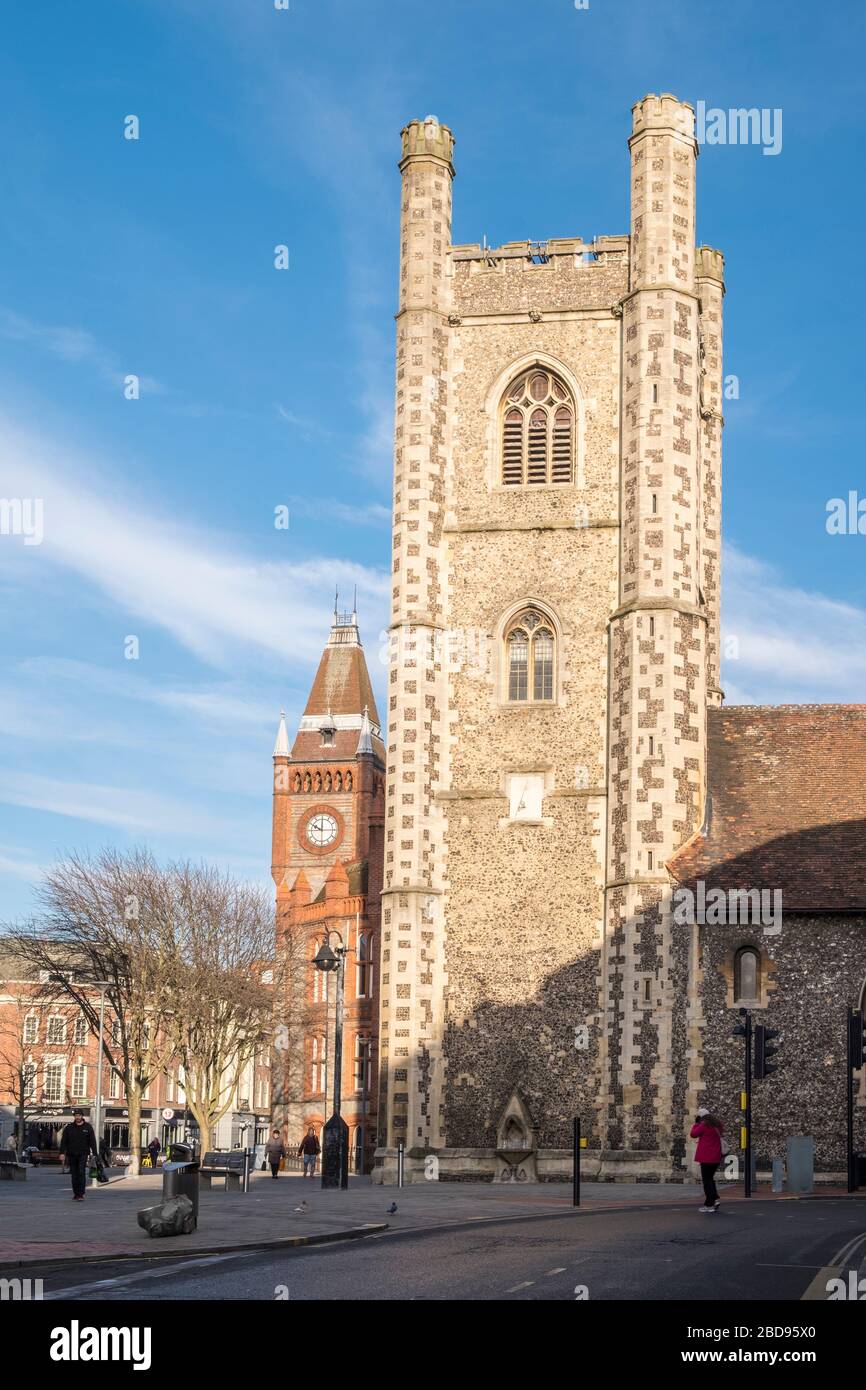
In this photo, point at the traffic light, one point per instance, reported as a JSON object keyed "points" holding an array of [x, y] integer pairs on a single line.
{"points": [[764, 1050], [856, 1041]]}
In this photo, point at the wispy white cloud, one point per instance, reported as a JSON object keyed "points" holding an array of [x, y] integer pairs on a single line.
{"points": [[168, 572], [367, 514], [15, 863], [133, 809], [794, 645], [221, 704], [74, 345]]}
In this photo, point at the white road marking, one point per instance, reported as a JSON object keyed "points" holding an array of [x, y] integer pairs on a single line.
{"points": [[551, 1272], [817, 1290], [527, 1284], [122, 1279]]}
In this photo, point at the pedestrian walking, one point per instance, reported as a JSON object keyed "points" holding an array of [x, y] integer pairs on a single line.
{"points": [[12, 1143], [275, 1151], [310, 1148], [708, 1131], [76, 1145], [153, 1149]]}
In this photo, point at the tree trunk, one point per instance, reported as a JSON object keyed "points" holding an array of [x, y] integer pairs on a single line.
{"points": [[204, 1129], [133, 1105], [22, 1110]]}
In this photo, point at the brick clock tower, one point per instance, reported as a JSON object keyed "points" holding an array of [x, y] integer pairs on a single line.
{"points": [[328, 824]]}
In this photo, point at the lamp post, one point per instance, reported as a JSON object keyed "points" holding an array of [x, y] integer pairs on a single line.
{"points": [[335, 1135]]}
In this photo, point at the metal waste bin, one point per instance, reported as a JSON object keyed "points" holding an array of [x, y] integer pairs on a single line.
{"points": [[860, 1169], [180, 1179]]}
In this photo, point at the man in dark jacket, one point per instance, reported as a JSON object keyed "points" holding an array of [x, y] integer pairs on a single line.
{"points": [[275, 1150], [310, 1148], [76, 1145]]}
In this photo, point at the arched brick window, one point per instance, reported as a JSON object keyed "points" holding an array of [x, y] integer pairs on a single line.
{"points": [[530, 658], [538, 431]]}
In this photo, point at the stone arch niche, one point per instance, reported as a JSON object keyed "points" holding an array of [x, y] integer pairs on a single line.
{"points": [[516, 1143]]}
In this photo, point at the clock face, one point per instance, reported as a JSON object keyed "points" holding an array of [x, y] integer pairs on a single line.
{"points": [[322, 829]]}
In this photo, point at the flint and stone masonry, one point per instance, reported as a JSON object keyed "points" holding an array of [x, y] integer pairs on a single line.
{"points": [[529, 973]]}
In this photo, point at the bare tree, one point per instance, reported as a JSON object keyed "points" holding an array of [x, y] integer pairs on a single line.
{"points": [[223, 1013], [193, 980], [112, 918]]}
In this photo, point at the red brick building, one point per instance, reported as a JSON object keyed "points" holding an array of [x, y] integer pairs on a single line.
{"points": [[328, 827], [49, 1054]]}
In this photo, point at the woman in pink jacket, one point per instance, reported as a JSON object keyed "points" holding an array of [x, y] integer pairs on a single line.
{"points": [[708, 1131]]}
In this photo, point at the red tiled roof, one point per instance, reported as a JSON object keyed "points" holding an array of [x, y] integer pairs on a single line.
{"points": [[342, 684], [787, 805]]}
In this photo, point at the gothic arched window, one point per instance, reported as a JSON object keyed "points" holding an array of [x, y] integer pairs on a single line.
{"points": [[538, 430], [747, 975], [530, 655]]}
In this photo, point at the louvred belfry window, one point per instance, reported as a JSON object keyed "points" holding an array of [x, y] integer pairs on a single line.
{"points": [[537, 431]]}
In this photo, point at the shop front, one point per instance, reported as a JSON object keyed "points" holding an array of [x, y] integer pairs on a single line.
{"points": [[43, 1128], [115, 1130]]}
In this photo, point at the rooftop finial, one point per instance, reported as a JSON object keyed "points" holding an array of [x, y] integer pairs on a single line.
{"points": [[281, 747], [365, 741]]}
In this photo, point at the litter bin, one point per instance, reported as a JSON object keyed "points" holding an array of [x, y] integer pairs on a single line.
{"points": [[180, 1178], [860, 1169]]}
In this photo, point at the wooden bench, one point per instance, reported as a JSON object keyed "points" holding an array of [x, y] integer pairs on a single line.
{"points": [[228, 1165], [10, 1168]]}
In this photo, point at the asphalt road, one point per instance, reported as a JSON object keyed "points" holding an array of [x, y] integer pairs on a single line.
{"points": [[762, 1250]]}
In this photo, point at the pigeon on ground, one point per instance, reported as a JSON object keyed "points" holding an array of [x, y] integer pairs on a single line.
{"points": [[392, 1208], [302, 1207]]}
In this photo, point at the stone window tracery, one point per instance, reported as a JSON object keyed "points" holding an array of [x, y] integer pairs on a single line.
{"points": [[530, 647]]}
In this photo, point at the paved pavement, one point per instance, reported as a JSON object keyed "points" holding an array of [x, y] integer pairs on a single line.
{"points": [[40, 1223], [746, 1252]]}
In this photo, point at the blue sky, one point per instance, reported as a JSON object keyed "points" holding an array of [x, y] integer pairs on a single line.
{"points": [[261, 388]]}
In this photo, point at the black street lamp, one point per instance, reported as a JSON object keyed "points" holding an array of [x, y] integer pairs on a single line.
{"points": [[335, 1134]]}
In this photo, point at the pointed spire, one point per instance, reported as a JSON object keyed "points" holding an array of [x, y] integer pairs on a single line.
{"points": [[365, 742], [281, 747], [355, 607]]}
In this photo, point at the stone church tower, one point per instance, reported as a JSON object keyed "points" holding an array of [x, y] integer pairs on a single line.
{"points": [[554, 651]]}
